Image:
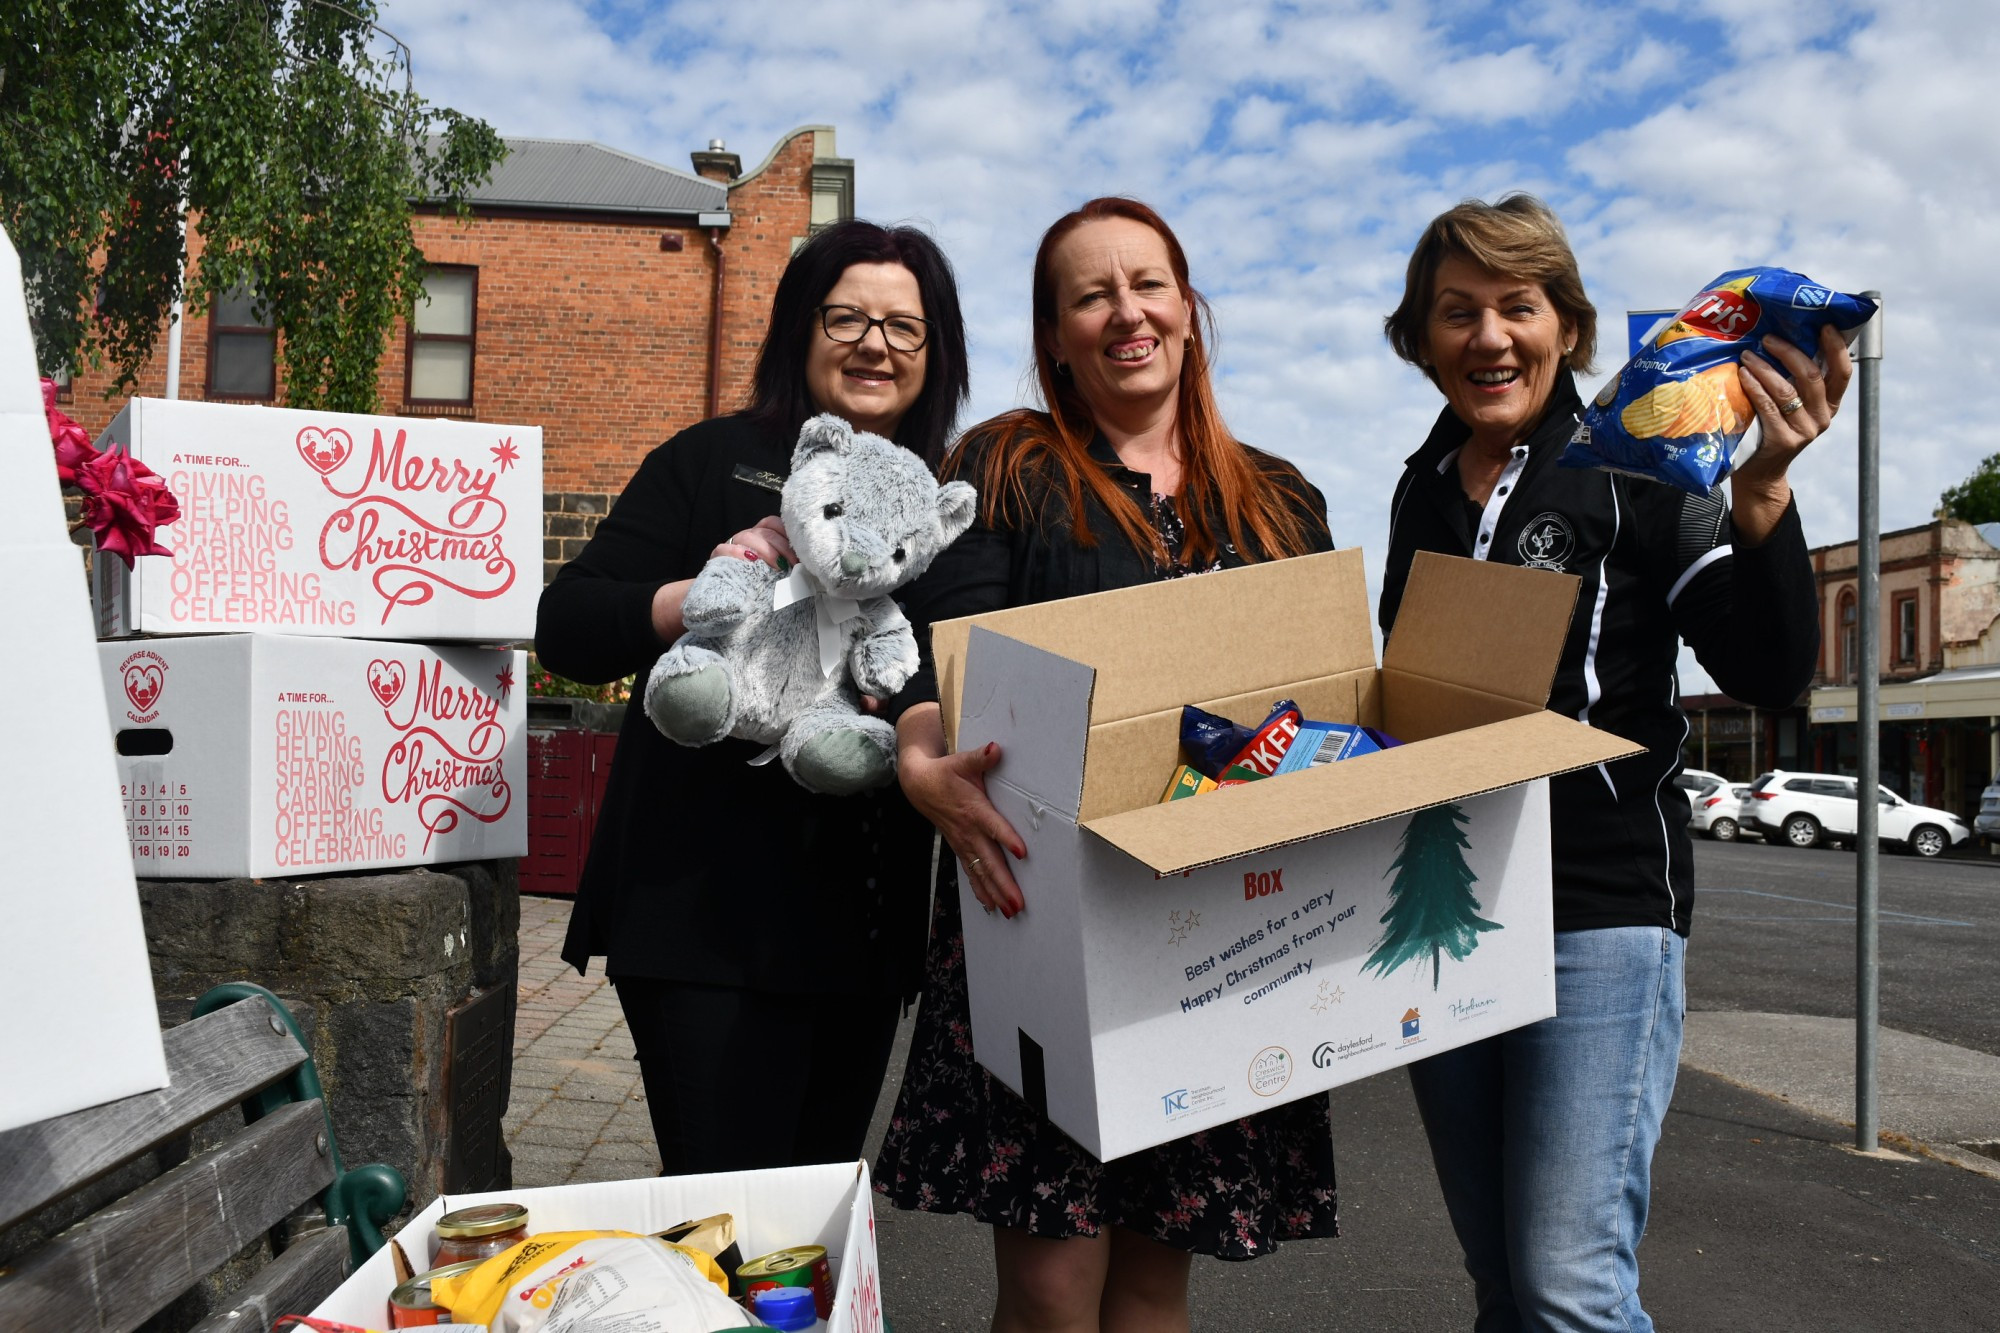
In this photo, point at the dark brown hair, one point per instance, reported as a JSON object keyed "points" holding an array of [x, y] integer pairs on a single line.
{"points": [[1218, 475], [779, 397], [1519, 237]]}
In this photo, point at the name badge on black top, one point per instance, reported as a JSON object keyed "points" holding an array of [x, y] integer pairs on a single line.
{"points": [[762, 480]]}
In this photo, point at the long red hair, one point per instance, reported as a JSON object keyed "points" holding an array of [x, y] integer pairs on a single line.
{"points": [[1218, 475]]}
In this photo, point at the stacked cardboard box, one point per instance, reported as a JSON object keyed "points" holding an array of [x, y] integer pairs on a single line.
{"points": [[318, 686]]}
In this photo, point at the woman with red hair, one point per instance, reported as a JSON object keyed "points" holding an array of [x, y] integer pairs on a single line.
{"points": [[1129, 476]]}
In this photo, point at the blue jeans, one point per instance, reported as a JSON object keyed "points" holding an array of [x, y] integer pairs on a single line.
{"points": [[1543, 1137]]}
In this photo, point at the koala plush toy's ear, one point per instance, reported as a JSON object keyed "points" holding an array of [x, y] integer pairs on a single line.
{"points": [[823, 434], [956, 502]]}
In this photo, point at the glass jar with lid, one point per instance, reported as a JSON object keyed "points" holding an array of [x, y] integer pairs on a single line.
{"points": [[480, 1232]]}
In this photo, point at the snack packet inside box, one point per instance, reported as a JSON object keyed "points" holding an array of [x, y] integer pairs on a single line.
{"points": [[330, 523]]}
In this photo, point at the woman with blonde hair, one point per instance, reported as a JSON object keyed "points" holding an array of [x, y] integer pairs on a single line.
{"points": [[1543, 1137]]}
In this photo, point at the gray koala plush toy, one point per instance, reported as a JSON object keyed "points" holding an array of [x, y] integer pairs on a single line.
{"points": [[783, 659]]}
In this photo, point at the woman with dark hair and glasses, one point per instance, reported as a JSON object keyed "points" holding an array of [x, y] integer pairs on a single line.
{"points": [[736, 911]]}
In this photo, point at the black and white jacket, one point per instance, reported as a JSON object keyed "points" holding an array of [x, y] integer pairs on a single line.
{"points": [[1658, 565]]}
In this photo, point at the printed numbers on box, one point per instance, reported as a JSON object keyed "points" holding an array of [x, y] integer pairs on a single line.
{"points": [[144, 851], [182, 849]]}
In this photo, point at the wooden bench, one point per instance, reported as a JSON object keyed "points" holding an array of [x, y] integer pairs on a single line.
{"points": [[136, 1254]]}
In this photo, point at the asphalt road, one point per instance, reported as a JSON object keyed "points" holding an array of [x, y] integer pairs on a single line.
{"points": [[1774, 933], [1762, 1219]]}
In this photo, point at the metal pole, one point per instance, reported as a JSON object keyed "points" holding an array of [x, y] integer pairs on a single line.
{"points": [[1867, 848]]}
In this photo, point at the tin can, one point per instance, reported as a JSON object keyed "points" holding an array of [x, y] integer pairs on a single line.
{"points": [[800, 1266], [410, 1304], [479, 1232]]}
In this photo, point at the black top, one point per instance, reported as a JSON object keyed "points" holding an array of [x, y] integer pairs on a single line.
{"points": [[1658, 565], [702, 868], [1034, 557]]}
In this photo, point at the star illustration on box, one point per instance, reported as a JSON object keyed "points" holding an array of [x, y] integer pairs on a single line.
{"points": [[505, 680], [1329, 995], [505, 454], [1180, 923], [1431, 908]]}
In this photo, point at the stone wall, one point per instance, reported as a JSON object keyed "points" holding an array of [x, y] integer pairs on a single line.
{"points": [[370, 965]]}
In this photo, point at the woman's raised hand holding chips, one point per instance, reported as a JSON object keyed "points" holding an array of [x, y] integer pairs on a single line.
{"points": [[1759, 490]]}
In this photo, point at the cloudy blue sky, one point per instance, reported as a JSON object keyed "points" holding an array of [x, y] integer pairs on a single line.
{"points": [[1298, 148]]}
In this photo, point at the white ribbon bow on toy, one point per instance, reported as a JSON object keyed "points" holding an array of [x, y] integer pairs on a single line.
{"points": [[830, 614]]}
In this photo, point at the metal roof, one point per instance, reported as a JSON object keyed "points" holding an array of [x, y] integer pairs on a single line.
{"points": [[588, 177]]}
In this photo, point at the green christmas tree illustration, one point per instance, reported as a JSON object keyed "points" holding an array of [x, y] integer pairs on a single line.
{"points": [[1431, 907]]}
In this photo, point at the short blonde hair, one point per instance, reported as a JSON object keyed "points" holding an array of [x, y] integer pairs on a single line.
{"points": [[1519, 237]]}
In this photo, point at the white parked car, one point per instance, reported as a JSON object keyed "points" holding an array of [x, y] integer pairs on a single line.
{"points": [[1718, 811], [1806, 809], [1692, 780]]}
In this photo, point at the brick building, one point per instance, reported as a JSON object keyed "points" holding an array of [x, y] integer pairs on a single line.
{"points": [[1940, 662], [606, 298]]}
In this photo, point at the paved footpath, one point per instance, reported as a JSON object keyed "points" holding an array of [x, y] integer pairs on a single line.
{"points": [[577, 1112], [1763, 1218]]}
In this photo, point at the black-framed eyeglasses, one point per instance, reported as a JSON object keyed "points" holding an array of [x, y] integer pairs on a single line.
{"points": [[847, 324]]}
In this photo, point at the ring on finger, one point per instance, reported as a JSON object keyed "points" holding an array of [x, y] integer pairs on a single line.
{"points": [[972, 866], [1791, 405]]}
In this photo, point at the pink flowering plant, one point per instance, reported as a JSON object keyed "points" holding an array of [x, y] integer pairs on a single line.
{"points": [[124, 502]]}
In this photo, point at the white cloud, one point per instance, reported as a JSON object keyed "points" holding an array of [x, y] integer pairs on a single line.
{"points": [[1300, 145]]}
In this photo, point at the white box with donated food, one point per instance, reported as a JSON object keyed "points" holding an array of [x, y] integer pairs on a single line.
{"points": [[73, 944], [274, 754], [831, 1206], [1180, 965], [298, 522]]}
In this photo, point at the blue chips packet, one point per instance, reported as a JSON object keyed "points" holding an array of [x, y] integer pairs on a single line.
{"points": [[1675, 412]]}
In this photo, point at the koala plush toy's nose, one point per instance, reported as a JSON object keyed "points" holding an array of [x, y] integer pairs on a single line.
{"points": [[852, 562]]}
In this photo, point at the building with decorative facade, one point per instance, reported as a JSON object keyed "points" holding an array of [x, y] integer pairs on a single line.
{"points": [[608, 299]]}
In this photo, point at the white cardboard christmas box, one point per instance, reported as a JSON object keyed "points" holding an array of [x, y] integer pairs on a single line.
{"points": [[275, 754], [296, 522], [831, 1206], [1180, 965], [72, 940]]}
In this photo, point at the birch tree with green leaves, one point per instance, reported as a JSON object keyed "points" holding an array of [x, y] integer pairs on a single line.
{"points": [[287, 132]]}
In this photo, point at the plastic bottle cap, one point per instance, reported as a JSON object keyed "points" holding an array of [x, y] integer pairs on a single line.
{"points": [[784, 1307]]}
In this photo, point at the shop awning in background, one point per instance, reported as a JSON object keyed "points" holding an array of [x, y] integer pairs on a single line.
{"points": [[1960, 692]]}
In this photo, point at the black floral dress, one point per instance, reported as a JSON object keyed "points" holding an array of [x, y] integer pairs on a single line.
{"points": [[960, 1141]]}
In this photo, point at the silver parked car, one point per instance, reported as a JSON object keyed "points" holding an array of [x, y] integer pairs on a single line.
{"points": [[1987, 822]]}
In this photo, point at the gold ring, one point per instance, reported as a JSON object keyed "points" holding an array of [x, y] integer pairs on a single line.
{"points": [[1791, 405]]}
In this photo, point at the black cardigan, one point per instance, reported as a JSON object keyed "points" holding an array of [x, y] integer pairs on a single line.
{"points": [[1037, 559], [703, 869]]}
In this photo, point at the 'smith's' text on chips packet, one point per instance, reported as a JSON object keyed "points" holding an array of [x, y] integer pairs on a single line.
{"points": [[1675, 412]]}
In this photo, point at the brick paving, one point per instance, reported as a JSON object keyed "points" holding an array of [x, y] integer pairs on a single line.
{"points": [[578, 1111]]}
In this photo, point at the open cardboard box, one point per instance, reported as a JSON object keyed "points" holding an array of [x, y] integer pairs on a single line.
{"points": [[831, 1206], [1180, 965]]}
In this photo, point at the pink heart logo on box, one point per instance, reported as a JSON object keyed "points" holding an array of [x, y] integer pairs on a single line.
{"points": [[143, 683], [324, 450], [385, 680]]}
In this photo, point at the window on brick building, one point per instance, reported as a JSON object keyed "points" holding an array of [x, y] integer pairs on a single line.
{"points": [[1850, 655], [1906, 628], [242, 347], [443, 337]]}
